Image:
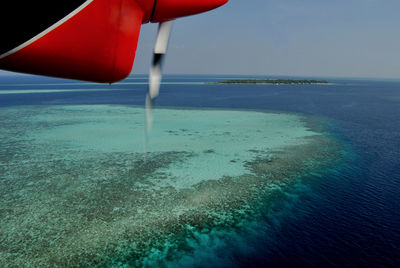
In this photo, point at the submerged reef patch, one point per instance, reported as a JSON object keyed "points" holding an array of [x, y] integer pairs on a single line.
{"points": [[78, 190]]}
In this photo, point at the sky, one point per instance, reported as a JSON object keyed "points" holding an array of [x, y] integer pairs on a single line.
{"points": [[323, 38], [340, 38]]}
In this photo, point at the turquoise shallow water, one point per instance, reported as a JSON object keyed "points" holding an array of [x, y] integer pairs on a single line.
{"points": [[83, 186], [219, 141]]}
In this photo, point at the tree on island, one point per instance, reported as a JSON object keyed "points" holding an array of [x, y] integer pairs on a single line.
{"points": [[271, 81]]}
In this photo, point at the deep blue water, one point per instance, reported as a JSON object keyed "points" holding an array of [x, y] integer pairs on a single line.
{"points": [[350, 218]]}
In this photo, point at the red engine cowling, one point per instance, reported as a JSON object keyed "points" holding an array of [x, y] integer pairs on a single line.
{"points": [[97, 41]]}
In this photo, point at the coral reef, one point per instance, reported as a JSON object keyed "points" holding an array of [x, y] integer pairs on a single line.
{"points": [[63, 204]]}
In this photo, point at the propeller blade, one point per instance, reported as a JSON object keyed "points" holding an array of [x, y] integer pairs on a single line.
{"points": [[160, 49]]}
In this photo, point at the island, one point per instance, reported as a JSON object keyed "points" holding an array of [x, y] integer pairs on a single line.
{"points": [[272, 81]]}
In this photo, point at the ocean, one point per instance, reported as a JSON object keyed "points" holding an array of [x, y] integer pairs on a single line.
{"points": [[230, 176]]}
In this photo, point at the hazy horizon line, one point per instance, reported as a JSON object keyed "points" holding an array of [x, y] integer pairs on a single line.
{"points": [[7, 73]]}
